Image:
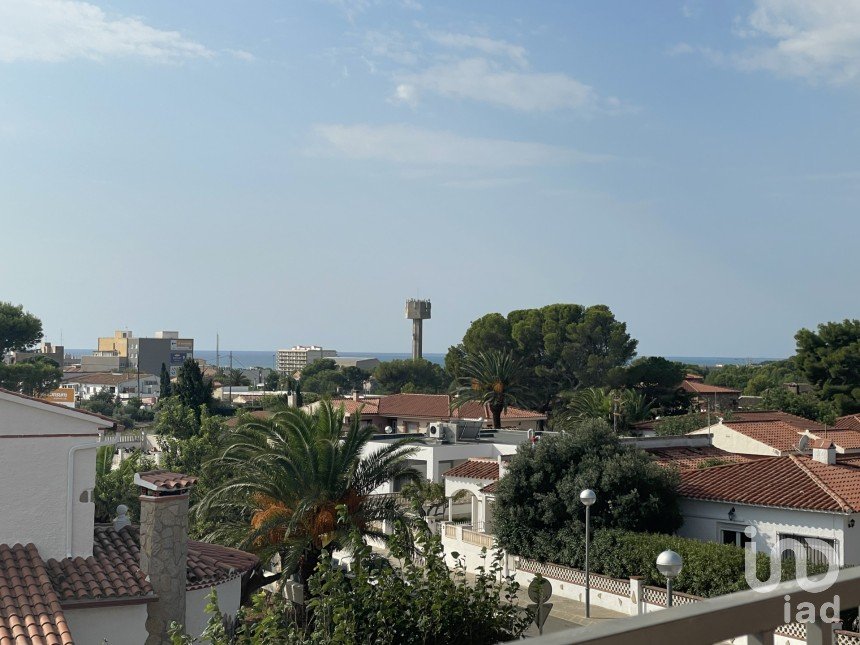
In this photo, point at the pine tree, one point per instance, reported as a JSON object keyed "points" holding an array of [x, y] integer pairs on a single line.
{"points": [[165, 389]]}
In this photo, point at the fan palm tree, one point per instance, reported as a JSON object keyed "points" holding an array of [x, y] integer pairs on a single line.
{"points": [[300, 484], [494, 378], [234, 376]]}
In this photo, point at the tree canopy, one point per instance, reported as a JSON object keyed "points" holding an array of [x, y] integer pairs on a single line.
{"points": [[411, 376], [538, 512], [192, 390], [830, 359], [495, 378], [563, 346], [19, 329]]}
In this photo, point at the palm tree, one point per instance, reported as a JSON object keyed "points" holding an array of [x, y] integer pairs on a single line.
{"points": [[301, 484], [494, 378], [234, 376], [597, 403]]}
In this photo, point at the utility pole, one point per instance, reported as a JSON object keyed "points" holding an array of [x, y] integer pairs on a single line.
{"points": [[218, 352], [230, 387]]}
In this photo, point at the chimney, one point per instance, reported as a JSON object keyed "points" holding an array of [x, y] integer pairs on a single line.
{"points": [[121, 520], [164, 547], [824, 451], [355, 396]]}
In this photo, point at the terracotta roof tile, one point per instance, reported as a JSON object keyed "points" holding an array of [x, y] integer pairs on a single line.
{"points": [[166, 480], [113, 572], [491, 488], [438, 406], [103, 378], [686, 458], [849, 422], [476, 469], [777, 434], [801, 423], [697, 387], [790, 482], [30, 610], [368, 407]]}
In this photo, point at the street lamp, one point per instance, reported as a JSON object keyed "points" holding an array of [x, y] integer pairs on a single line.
{"points": [[669, 564], [587, 497]]}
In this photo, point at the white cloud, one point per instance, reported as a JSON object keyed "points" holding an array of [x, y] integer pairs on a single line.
{"points": [[405, 144], [241, 54], [479, 80], [405, 93], [483, 44], [59, 30], [816, 41]]}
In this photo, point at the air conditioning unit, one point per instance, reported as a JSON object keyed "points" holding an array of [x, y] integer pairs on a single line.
{"points": [[441, 431]]}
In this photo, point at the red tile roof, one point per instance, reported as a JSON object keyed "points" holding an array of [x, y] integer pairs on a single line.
{"points": [[776, 434], [476, 469], [800, 423], [685, 457], [491, 488], [103, 378], [790, 482], [697, 387], [113, 572], [847, 439], [849, 422], [368, 407], [30, 610], [166, 480], [438, 406]]}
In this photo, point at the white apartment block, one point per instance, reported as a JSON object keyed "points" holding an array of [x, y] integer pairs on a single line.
{"points": [[295, 359]]}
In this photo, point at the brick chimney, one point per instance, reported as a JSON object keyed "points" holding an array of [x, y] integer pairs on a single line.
{"points": [[164, 547]]}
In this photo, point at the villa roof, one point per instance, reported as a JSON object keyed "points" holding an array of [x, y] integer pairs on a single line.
{"points": [[491, 488], [777, 434], [438, 406], [30, 610], [113, 571], [103, 378], [686, 457], [475, 468], [698, 387], [849, 422], [368, 407], [789, 482], [801, 423]]}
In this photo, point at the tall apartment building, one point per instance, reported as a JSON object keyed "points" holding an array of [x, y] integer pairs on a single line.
{"points": [[295, 359], [145, 354]]}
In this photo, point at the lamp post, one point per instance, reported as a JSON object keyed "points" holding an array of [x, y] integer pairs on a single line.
{"points": [[669, 564], [587, 497]]}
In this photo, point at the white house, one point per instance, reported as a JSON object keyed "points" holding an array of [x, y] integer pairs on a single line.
{"points": [[791, 496], [64, 579], [125, 386]]}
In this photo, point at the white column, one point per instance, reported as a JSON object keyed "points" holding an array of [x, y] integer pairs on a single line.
{"points": [[450, 509]]}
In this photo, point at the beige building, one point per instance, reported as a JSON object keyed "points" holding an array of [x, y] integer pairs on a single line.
{"points": [[296, 359]]}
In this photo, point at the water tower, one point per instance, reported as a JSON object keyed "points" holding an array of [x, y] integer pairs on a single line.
{"points": [[417, 311]]}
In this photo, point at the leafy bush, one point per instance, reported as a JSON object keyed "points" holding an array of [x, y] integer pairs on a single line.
{"points": [[710, 569]]}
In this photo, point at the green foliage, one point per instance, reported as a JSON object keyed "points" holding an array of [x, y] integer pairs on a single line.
{"points": [[659, 381], [538, 512], [19, 330], [318, 366], [563, 346], [190, 387], [165, 387], [355, 377], [806, 404], [272, 381], [399, 603], [683, 423], [109, 405], [753, 380], [408, 376], [34, 377], [175, 419], [115, 487], [426, 498], [325, 378], [830, 359], [597, 403], [234, 376], [287, 476], [495, 378], [710, 569]]}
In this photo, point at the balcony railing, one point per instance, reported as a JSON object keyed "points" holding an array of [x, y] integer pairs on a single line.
{"points": [[745, 613]]}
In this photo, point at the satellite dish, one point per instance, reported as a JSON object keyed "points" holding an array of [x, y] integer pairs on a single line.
{"points": [[389, 430], [803, 443]]}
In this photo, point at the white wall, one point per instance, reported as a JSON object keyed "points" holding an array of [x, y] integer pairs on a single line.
{"points": [[118, 625], [703, 520], [34, 456], [229, 597], [730, 440]]}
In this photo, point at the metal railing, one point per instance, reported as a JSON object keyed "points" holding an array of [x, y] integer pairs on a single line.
{"points": [[119, 438], [745, 613]]}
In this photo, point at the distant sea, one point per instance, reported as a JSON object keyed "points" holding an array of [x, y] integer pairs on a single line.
{"points": [[247, 359]]}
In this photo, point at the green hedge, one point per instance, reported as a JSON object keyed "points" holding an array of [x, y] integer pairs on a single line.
{"points": [[710, 569]]}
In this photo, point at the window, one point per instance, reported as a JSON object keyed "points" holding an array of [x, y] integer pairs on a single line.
{"points": [[736, 537], [821, 551]]}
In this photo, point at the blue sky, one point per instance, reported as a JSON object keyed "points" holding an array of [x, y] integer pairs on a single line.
{"points": [[290, 172]]}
